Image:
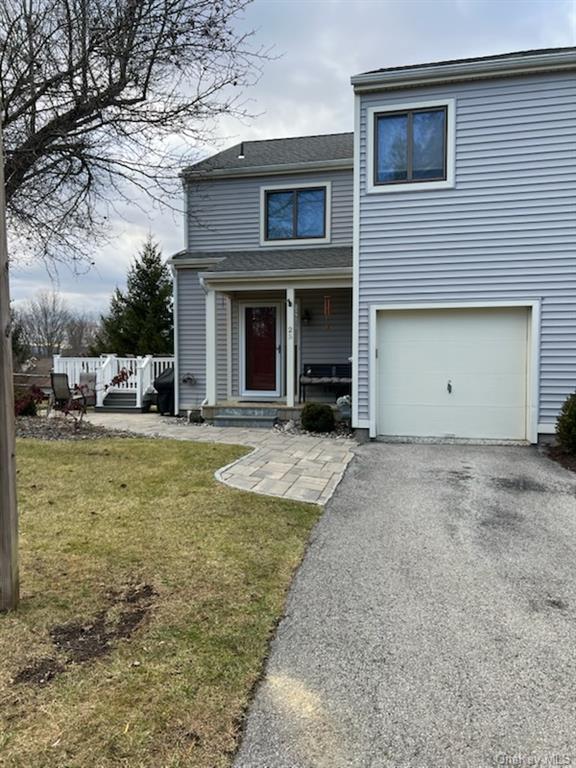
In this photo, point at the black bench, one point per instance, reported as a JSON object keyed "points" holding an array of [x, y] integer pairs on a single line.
{"points": [[337, 376]]}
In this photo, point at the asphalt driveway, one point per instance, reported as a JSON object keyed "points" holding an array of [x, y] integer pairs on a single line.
{"points": [[433, 621]]}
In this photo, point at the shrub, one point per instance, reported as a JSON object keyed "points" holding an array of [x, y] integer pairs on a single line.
{"points": [[317, 417], [26, 400], [566, 425]]}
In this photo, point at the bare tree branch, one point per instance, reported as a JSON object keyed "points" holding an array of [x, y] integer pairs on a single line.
{"points": [[93, 91], [44, 320]]}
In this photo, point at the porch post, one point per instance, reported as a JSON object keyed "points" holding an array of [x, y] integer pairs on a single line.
{"points": [[290, 337], [211, 347]]}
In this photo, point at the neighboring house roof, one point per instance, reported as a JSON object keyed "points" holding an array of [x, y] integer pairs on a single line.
{"points": [[278, 155], [273, 260], [501, 65]]}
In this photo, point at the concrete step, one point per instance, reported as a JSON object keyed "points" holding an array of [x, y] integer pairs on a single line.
{"points": [[255, 410], [246, 421], [243, 416]]}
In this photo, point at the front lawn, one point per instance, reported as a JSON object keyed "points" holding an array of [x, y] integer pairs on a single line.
{"points": [[149, 593]]}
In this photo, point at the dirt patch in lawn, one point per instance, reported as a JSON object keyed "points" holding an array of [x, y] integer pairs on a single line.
{"points": [[78, 642], [39, 672]]}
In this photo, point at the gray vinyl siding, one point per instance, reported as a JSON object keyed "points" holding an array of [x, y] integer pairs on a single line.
{"points": [[507, 231], [320, 342], [191, 340], [326, 340], [225, 214]]}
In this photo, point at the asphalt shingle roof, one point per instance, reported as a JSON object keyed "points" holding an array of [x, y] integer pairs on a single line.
{"points": [[277, 259], [292, 151], [494, 57]]}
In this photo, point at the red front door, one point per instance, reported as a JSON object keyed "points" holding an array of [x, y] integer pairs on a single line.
{"points": [[260, 349]]}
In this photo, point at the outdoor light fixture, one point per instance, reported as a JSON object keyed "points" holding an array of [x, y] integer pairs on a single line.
{"points": [[306, 317]]}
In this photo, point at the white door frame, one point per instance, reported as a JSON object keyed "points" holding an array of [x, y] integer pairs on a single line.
{"points": [[532, 353], [255, 394]]}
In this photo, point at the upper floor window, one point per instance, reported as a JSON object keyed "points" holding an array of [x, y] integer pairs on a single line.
{"points": [[411, 146], [295, 214]]}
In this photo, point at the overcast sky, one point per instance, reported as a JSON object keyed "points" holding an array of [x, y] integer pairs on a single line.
{"points": [[306, 90]]}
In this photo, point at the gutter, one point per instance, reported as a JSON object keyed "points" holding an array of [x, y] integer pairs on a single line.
{"points": [[192, 174], [465, 70]]}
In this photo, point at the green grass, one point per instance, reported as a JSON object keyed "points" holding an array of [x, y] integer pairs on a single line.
{"points": [[98, 516]]}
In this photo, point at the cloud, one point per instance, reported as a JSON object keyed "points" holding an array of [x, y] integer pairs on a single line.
{"points": [[306, 89]]}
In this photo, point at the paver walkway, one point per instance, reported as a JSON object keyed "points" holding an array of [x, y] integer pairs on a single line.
{"points": [[298, 467]]}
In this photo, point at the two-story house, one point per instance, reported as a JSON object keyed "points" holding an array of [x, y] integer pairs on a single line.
{"points": [[435, 248], [264, 288]]}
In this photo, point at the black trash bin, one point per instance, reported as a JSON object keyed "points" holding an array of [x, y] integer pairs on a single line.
{"points": [[164, 385]]}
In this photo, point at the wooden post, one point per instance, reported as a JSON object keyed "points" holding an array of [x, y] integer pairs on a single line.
{"points": [[9, 587]]}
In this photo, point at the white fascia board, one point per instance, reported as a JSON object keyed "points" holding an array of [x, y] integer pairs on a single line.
{"points": [[190, 174], [562, 60], [179, 263], [279, 284], [290, 274]]}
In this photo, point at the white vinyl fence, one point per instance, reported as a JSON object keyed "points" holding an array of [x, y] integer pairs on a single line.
{"points": [[142, 371]]}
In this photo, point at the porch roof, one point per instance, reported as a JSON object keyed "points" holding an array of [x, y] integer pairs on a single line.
{"points": [[285, 260], [278, 269]]}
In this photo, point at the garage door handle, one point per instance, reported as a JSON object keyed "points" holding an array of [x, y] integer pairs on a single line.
{"points": [[449, 387]]}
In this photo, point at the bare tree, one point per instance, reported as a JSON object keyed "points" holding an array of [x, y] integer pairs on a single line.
{"points": [[45, 319], [98, 93], [81, 332]]}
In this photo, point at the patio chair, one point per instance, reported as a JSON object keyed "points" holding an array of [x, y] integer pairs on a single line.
{"points": [[62, 397], [87, 385]]}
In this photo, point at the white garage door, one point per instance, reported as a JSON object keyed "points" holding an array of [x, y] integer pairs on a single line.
{"points": [[454, 372]]}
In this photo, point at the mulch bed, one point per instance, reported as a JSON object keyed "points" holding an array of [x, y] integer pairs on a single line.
{"points": [[342, 430], [567, 460], [62, 428]]}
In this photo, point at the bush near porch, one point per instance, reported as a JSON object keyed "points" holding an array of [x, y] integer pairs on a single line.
{"points": [[149, 593]]}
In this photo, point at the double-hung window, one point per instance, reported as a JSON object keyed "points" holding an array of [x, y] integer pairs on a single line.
{"points": [[411, 146], [295, 214]]}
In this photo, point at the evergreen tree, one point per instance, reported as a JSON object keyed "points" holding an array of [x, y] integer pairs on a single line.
{"points": [[140, 320], [20, 345]]}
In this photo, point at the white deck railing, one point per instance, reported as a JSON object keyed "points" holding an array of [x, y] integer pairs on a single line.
{"points": [[142, 372]]}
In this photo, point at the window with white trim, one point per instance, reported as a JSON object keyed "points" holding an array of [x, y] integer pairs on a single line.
{"points": [[411, 146], [295, 214]]}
